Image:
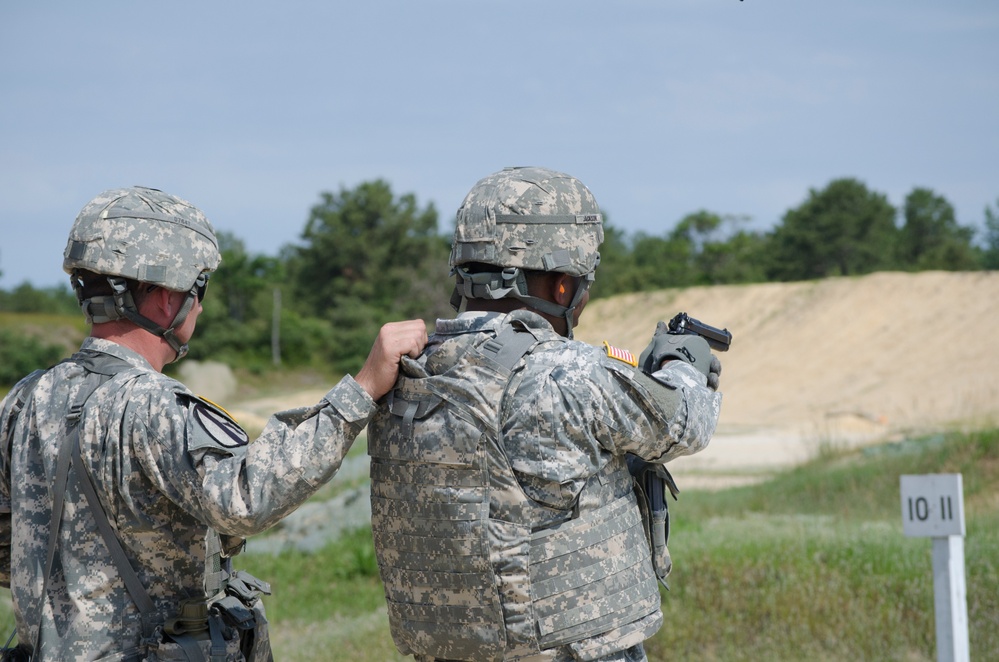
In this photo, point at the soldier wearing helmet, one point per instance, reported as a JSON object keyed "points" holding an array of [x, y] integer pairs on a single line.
{"points": [[123, 496], [505, 518]]}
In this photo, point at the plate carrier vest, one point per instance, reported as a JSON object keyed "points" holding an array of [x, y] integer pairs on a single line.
{"points": [[465, 575]]}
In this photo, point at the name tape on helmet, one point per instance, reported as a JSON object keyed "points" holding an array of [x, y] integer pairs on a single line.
{"points": [[555, 219]]}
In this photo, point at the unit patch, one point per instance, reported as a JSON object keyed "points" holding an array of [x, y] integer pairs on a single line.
{"points": [[218, 424], [621, 354]]}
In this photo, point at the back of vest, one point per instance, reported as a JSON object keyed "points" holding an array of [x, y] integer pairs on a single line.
{"points": [[430, 499]]}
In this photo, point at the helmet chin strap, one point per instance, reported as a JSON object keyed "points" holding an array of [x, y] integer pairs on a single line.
{"points": [[511, 283], [121, 305], [570, 311], [168, 334]]}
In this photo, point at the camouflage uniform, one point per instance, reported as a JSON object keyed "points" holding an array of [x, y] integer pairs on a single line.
{"points": [[542, 451], [176, 477], [505, 517], [171, 470]]}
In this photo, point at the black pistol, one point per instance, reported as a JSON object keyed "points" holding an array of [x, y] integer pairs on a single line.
{"points": [[719, 339]]}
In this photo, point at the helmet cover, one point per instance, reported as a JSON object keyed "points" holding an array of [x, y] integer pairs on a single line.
{"points": [[142, 234], [529, 218]]}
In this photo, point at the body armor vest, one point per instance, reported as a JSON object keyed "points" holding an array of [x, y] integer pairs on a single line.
{"points": [[466, 575]]}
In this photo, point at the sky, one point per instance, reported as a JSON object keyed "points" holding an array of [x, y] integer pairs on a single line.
{"points": [[251, 110]]}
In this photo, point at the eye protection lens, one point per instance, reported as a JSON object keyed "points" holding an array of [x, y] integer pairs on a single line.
{"points": [[201, 285]]}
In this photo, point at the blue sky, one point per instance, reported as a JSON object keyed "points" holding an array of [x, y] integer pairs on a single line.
{"points": [[664, 107]]}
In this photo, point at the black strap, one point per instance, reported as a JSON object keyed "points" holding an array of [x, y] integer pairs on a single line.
{"points": [[509, 346], [132, 582], [105, 367], [59, 490]]}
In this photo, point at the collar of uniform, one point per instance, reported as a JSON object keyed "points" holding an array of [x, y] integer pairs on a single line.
{"points": [[469, 322], [477, 321], [118, 351]]}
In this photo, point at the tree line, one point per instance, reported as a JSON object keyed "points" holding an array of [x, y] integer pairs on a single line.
{"points": [[366, 256]]}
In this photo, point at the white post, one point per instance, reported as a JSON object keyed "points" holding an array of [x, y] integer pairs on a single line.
{"points": [[933, 507], [950, 602]]}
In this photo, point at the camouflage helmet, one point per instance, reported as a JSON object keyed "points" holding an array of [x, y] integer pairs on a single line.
{"points": [[142, 234], [529, 218]]}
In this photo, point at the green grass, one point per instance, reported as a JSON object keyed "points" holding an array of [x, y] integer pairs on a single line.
{"points": [[811, 565], [56, 328]]}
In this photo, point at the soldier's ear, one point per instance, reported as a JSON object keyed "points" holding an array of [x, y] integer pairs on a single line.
{"points": [[562, 289], [158, 303]]}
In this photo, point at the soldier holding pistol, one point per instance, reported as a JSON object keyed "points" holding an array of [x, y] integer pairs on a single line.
{"points": [[505, 517]]}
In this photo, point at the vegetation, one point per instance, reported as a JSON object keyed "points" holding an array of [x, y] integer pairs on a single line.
{"points": [[367, 256], [813, 565]]}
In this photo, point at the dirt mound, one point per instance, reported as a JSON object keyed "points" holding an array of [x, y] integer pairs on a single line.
{"points": [[896, 351], [840, 361]]}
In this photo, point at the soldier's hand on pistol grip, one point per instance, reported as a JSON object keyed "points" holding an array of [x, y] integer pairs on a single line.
{"points": [[692, 349]]}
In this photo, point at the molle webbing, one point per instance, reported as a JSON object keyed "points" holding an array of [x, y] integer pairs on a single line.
{"points": [[216, 572], [430, 532], [508, 347], [430, 509], [605, 548]]}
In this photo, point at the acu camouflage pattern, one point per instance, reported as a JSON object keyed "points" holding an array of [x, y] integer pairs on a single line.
{"points": [[531, 218], [143, 234], [168, 487], [504, 516]]}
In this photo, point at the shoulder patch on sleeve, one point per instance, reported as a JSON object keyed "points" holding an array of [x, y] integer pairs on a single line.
{"points": [[620, 354], [214, 426]]}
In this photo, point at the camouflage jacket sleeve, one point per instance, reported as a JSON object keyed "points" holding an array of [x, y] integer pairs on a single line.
{"points": [[6, 423], [196, 455], [573, 407], [9, 409]]}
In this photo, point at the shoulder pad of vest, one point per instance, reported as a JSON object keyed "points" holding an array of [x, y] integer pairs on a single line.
{"points": [[211, 426]]}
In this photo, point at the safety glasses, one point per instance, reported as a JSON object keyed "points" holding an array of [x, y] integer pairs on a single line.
{"points": [[201, 285]]}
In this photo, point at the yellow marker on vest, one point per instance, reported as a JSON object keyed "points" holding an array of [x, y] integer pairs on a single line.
{"points": [[621, 354]]}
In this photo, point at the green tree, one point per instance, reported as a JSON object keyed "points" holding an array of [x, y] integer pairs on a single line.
{"points": [[844, 229], [739, 259], [20, 354], [26, 298], [697, 229], [616, 273], [931, 238], [720, 252], [990, 252], [662, 262], [237, 323], [369, 257], [242, 279]]}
